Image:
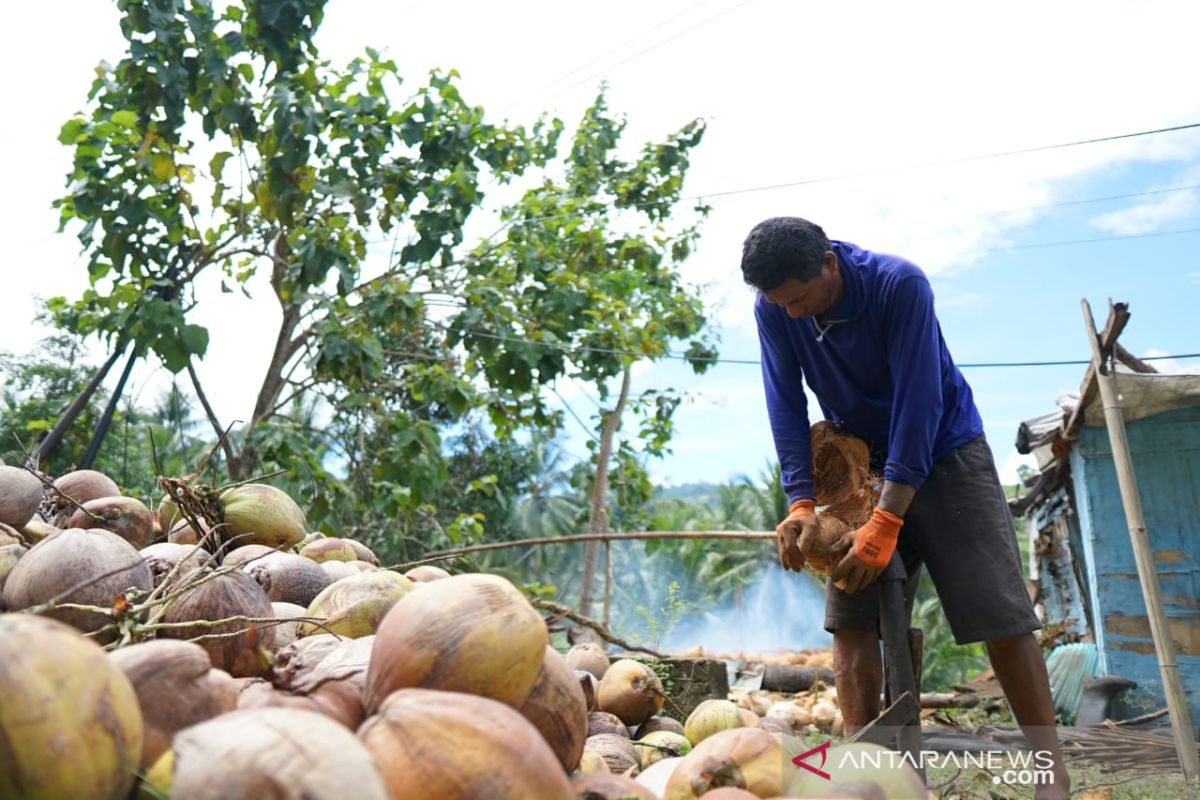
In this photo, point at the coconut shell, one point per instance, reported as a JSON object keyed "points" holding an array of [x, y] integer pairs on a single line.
{"points": [[355, 606], [617, 751], [77, 559], [558, 709], [69, 719], [589, 657], [246, 554], [590, 687], [744, 758], [216, 597], [78, 487], [470, 633], [277, 753], [20, 496], [287, 631], [426, 573], [456, 746], [176, 687], [162, 558], [330, 549], [301, 657], [632, 691], [182, 532], [260, 514], [603, 722], [127, 517], [364, 553], [659, 724], [336, 700], [609, 787], [288, 578]]}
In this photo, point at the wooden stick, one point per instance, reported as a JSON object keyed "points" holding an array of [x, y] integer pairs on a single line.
{"points": [[1164, 647], [586, 537], [559, 610], [1087, 391]]}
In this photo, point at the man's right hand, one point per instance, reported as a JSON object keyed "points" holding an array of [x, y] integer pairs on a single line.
{"points": [[801, 522]]}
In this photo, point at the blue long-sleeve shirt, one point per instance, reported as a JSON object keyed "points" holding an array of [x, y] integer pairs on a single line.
{"points": [[881, 370]]}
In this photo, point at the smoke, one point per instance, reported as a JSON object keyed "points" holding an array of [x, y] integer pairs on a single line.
{"points": [[776, 612]]}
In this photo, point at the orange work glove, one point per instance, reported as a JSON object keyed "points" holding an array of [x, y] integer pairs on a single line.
{"points": [[874, 544], [802, 515]]}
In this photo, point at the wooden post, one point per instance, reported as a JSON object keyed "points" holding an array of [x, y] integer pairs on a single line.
{"points": [[1164, 647]]}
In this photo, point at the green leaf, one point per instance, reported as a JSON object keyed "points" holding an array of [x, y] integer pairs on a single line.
{"points": [[216, 164], [71, 130], [195, 339], [162, 166], [126, 119]]}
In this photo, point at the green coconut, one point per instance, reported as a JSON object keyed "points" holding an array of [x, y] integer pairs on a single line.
{"points": [[711, 716], [354, 606], [260, 514], [659, 745], [69, 721], [329, 549], [860, 765]]}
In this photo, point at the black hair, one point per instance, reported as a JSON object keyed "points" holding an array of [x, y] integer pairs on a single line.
{"points": [[780, 248]]}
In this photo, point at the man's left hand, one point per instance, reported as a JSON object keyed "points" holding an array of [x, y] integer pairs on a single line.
{"points": [[872, 549]]}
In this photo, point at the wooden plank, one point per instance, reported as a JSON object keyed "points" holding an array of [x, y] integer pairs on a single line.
{"points": [[1117, 320]]}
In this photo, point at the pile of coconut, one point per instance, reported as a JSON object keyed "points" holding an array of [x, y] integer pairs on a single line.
{"points": [[214, 648]]}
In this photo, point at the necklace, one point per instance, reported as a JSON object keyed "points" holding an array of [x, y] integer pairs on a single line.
{"points": [[822, 330]]}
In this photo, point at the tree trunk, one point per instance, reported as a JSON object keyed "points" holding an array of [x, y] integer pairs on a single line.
{"points": [[597, 515], [48, 444]]}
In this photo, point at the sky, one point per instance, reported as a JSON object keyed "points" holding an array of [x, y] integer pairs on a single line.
{"points": [[866, 117]]}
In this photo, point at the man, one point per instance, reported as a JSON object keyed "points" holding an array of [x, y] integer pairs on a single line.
{"points": [[859, 327]]}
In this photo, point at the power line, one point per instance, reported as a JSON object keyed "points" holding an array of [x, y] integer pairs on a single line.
{"points": [[608, 53], [755, 362]]}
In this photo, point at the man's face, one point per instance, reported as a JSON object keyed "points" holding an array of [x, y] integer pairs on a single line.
{"points": [[809, 298]]}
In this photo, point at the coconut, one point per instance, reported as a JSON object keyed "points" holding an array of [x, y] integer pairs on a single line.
{"points": [[168, 513], [294, 661], [823, 714], [69, 720], [659, 724], [426, 573], [37, 529], [729, 793], [364, 553], [345, 663], [749, 718], [852, 766], [790, 712], [589, 686], [75, 488], [591, 763], [260, 514], [710, 717], [85, 567], [281, 753], [455, 746], [127, 517], [336, 700], [20, 496], [354, 606], [162, 558], [468, 633], [632, 691], [617, 751], [287, 631], [558, 709], [776, 725], [655, 776], [336, 570], [176, 687], [288, 578], [604, 722], [330, 549], [247, 554], [182, 532], [217, 596], [589, 657], [659, 745], [609, 787], [745, 758], [10, 554]]}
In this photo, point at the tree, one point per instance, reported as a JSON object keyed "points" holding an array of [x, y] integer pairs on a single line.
{"points": [[584, 285], [221, 148]]}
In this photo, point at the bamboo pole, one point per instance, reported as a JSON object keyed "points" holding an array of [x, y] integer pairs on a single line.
{"points": [[587, 537], [1164, 647]]}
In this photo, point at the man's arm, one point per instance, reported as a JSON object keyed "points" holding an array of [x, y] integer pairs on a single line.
{"points": [[914, 358], [787, 409]]}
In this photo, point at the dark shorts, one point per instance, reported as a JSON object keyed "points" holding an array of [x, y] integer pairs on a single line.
{"points": [[960, 528]]}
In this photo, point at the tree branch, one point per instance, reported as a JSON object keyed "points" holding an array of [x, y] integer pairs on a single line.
{"points": [[230, 456]]}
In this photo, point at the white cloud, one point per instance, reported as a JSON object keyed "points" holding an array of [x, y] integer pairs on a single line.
{"points": [[1008, 471], [1149, 217]]}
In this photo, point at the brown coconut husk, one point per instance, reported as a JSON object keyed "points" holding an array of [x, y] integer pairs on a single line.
{"points": [[127, 517], [845, 486], [557, 707]]}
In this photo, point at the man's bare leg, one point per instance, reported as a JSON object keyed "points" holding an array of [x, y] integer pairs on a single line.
{"points": [[1021, 671], [858, 674]]}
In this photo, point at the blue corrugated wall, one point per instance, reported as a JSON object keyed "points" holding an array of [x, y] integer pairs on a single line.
{"points": [[1166, 461]]}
